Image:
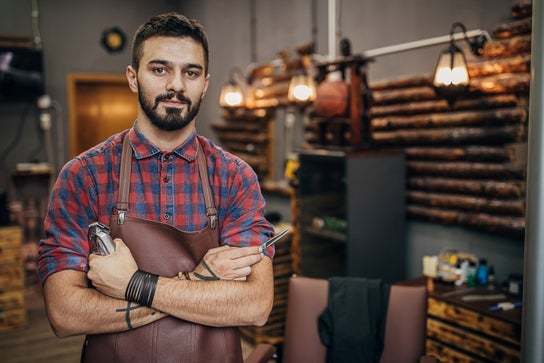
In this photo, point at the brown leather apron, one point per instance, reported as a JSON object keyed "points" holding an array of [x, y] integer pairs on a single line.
{"points": [[164, 250]]}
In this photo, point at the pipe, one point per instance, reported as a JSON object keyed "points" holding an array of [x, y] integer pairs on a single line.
{"points": [[532, 331], [423, 43], [332, 28]]}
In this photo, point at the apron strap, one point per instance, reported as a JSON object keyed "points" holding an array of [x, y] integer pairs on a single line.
{"points": [[211, 212], [124, 183]]}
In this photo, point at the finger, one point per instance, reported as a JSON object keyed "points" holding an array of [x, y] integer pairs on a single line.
{"points": [[119, 243], [237, 252], [244, 261]]}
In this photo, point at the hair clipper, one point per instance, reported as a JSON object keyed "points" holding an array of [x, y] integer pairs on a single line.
{"points": [[100, 239]]}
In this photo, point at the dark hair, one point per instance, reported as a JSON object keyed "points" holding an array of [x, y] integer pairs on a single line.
{"points": [[169, 25]]}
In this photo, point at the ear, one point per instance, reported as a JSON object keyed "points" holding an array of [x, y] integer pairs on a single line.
{"points": [[132, 79], [206, 84]]}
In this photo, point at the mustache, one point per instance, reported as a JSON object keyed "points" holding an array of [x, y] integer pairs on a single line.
{"points": [[172, 95]]}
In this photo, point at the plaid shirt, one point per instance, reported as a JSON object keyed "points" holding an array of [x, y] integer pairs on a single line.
{"points": [[164, 187]]}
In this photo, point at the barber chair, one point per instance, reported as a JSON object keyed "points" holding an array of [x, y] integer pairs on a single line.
{"points": [[405, 329]]}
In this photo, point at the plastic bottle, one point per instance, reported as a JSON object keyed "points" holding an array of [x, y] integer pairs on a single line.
{"points": [[482, 273], [471, 273]]}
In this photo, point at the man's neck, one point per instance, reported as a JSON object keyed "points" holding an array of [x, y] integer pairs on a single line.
{"points": [[166, 141]]}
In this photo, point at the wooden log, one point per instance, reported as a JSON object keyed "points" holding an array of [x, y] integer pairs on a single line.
{"points": [[493, 84], [408, 81], [468, 170], [247, 115], [511, 207], [501, 83], [272, 79], [237, 126], [512, 226], [494, 117], [520, 63], [468, 153], [257, 162], [455, 136], [491, 188], [243, 137], [278, 89], [269, 102], [508, 47], [441, 105], [387, 96], [522, 9], [237, 147], [512, 28]]}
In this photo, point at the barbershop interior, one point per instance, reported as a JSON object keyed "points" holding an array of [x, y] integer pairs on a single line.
{"points": [[398, 142]]}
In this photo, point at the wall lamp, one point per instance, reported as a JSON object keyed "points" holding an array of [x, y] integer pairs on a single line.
{"points": [[447, 89], [451, 77], [232, 94]]}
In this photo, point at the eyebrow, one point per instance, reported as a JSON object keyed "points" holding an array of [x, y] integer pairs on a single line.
{"points": [[166, 63]]}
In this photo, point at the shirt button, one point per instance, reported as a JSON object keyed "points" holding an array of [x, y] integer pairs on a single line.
{"points": [[166, 216], [165, 179]]}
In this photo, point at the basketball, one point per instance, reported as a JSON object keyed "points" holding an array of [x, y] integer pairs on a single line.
{"points": [[332, 99]]}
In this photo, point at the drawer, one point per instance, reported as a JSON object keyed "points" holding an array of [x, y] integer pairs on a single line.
{"points": [[445, 353], [471, 342], [475, 321]]}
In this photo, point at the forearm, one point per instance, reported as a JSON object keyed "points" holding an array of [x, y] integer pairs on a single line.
{"points": [[73, 308], [219, 303]]}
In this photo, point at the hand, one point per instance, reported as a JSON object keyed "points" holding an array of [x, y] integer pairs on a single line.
{"points": [[228, 263], [110, 274]]}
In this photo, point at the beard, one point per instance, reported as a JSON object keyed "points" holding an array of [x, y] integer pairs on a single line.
{"points": [[174, 119]]}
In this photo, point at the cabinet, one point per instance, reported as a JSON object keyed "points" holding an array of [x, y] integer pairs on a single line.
{"points": [[351, 214], [463, 331]]}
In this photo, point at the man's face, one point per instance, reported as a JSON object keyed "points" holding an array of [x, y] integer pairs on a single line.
{"points": [[171, 81]]}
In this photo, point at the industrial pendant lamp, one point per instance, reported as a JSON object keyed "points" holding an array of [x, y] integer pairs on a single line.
{"points": [[232, 95], [302, 89], [451, 78]]}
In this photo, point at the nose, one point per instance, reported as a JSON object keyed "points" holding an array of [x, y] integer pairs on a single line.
{"points": [[176, 82]]}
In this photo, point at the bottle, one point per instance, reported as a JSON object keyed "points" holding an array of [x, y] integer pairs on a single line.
{"points": [[471, 273], [330, 223], [491, 278], [482, 275]]}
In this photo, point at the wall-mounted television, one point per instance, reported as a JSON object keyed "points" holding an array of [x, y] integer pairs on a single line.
{"points": [[21, 74]]}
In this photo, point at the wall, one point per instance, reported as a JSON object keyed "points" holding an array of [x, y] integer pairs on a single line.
{"points": [[71, 31]]}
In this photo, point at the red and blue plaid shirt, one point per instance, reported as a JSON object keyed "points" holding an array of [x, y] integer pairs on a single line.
{"points": [[164, 187]]}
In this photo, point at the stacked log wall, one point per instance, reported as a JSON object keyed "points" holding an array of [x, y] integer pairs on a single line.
{"points": [[466, 162]]}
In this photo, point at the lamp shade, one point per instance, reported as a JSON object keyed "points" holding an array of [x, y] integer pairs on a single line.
{"points": [[231, 95], [302, 89], [451, 77]]}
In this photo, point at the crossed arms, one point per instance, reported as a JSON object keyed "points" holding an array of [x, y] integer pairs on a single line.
{"points": [[243, 295]]}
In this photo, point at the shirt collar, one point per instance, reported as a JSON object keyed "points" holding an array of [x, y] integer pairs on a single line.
{"points": [[143, 148]]}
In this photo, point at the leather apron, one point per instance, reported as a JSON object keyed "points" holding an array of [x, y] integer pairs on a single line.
{"points": [[164, 250]]}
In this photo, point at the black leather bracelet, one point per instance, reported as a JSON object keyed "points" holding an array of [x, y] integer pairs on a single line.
{"points": [[141, 288]]}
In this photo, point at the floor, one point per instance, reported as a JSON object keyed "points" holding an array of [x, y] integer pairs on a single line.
{"points": [[36, 342]]}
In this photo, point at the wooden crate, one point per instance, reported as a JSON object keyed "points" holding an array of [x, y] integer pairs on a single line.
{"points": [[272, 332], [12, 277]]}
